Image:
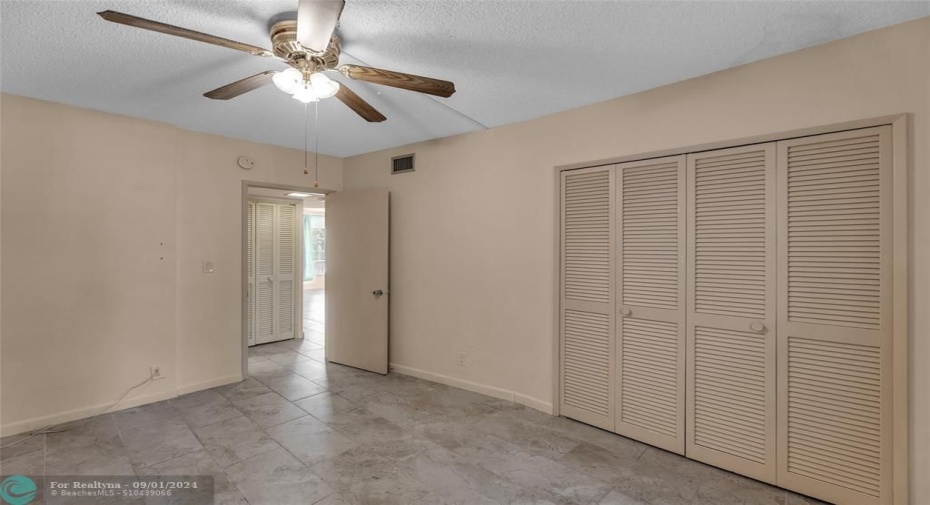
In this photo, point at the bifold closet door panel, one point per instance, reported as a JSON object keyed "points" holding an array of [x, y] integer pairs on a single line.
{"points": [[731, 310], [650, 336], [587, 298], [264, 272], [285, 270], [835, 315], [250, 272], [272, 267]]}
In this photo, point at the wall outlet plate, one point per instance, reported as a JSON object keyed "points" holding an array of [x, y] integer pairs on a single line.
{"points": [[462, 359]]}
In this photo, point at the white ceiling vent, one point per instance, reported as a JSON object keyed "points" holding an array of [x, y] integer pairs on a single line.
{"points": [[402, 164]]}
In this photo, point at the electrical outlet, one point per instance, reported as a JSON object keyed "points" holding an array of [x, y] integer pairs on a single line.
{"points": [[155, 373], [462, 357]]}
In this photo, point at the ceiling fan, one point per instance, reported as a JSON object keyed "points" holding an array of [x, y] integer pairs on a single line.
{"points": [[310, 46]]}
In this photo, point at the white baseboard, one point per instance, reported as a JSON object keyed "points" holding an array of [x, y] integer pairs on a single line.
{"points": [[82, 413], [215, 383], [534, 403], [475, 387]]}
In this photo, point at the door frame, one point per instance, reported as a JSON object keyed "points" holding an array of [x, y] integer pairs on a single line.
{"points": [[244, 272], [901, 168]]}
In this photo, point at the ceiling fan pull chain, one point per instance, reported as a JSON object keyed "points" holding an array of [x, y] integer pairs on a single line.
{"points": [[306, 165], [316, 146]]}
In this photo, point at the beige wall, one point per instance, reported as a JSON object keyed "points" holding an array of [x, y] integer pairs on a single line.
{"points": [[106, 220], [473, 241], [209, 227]]}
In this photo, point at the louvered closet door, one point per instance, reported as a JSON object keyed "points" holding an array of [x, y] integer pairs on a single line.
{"points": [[834, 316], [587, 352], [650, 347], [285, 270], [264, 272], [250, 271], [731, 310]]}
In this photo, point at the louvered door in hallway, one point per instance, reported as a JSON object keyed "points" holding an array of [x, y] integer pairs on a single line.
{"points": [[737, 306], [272, 271]]}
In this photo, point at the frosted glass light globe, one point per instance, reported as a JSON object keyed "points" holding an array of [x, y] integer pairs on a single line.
{"points": [[287, 80], [323, 86], [305, 93]]}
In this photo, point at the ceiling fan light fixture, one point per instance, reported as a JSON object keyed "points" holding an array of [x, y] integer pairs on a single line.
{"points": [[287, 80], [309, 46], [305, 93], [323, 86]]}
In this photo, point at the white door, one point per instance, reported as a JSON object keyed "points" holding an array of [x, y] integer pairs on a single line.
{"points": [[731, 310], [250, 293], [285, 271], [785, 297], [357, 233], [651, 290], [587, 301], [835, 316], [274, 279]]}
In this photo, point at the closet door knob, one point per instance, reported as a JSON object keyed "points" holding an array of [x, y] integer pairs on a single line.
{"points": [[625, 311], [757, 327]]}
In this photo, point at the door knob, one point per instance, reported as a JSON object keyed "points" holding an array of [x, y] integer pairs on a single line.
{"points": [[757, 327], [378, 292], [625, 311]]}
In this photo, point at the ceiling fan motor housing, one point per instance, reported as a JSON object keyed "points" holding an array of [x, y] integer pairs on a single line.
{"points": [[284, 44]]}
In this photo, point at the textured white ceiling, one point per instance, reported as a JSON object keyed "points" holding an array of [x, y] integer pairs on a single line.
{"points": [[510, 60]]}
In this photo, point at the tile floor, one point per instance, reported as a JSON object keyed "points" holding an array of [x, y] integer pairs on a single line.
{"points": [[314, 314], [303, 432]]}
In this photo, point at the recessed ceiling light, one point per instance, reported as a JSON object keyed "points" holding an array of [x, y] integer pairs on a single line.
{"points": [[300, 195]]}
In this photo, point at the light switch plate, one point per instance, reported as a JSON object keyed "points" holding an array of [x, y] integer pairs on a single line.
{"points": [[208, 267]]}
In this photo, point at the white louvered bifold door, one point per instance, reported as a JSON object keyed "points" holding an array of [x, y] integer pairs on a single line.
{"points": [[731, 310], [587, 298], [834, 316], [250, 273], [650, 343], [273, 287], [264, 272], [285, 270]]}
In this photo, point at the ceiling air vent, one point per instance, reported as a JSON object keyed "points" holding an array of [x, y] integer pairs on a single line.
{"points": [[402, 164]]}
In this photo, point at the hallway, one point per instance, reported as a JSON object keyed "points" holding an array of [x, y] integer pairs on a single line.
{"points": [[314, 316]]}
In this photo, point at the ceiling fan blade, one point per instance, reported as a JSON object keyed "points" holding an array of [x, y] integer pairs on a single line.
{"points": [[239, 87], [361, 107], [410, 82], [316, 22], [155, 26]]}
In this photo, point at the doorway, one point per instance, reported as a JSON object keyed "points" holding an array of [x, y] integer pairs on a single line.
{"points": [[342, 246], [314, 275], [284, 274]]}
